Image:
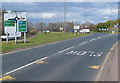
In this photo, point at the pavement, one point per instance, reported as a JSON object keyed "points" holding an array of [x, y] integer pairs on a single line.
{"points": [[78, 59], [110, 68]]}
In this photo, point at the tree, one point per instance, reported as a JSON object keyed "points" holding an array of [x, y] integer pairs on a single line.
{"points": [[2, 21]]}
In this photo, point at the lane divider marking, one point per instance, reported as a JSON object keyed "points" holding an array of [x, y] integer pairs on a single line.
{"points": [[93, 39], [66, 49], [25, 66], [83, 43]]}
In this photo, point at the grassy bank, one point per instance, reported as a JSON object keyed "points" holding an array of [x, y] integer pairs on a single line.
{"points": [[39, 40]]}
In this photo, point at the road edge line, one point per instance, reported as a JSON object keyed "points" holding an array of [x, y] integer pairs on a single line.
{"points": [[103, 65]]}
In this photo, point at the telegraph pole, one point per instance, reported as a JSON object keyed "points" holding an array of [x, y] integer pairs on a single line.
{"points": [[64, 17]]}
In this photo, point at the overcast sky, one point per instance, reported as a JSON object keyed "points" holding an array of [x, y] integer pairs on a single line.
{"points": [[94, 12]]}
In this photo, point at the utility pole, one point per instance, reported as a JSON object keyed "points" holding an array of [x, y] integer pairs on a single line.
{"points": [[111, 18], [44, 29], [84, 15], [64, 17], [2, 12]]}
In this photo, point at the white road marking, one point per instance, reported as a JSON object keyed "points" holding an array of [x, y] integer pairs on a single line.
{"points": [[99, 37], [75, 52], [66, 49], [25, 66], [83, 43], [70, 52], [81, 53], [95, 54], [91, 53], [93, 39]]}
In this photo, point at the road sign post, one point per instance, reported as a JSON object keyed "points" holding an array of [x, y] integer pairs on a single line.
{"points": [[16, 20], [15, 23], [7, 37], [24, 37]]}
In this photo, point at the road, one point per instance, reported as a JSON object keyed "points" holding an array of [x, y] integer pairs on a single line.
{"points": [[77, 59]]}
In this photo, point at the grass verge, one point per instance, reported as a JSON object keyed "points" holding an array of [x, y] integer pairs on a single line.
{"points": [[40, 39]]}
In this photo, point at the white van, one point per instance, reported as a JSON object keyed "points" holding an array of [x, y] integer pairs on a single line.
{"points": [[85, 31], [11, 36]]}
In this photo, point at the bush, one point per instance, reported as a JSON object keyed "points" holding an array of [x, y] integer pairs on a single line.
{"points": [[32, 32]]}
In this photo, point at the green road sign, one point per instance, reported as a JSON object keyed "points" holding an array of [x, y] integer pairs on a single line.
{"points": [[22, 26], [9, 23]]}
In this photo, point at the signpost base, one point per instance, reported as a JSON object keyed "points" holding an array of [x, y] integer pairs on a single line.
{"points": [[7, 38], [15, 37], [24, 37]]}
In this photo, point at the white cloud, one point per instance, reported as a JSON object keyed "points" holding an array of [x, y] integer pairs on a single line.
{"points": [[108, 11], [106, 17], [41, 15]]}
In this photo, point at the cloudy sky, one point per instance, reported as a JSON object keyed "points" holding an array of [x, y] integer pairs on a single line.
{"points": [[94, 12]]}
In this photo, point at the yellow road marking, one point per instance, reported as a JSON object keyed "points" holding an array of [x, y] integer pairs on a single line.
{"points": [[7, 78], [95, 67], [42, 62]]}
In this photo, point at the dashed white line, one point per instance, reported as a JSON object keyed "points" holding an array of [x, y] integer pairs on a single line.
{"points": [[93, 39], [25, 66], [99, 37], [66, 49], [83, 43]]}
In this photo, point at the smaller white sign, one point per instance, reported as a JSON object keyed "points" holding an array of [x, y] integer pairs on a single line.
{"points": [[61, 28], [76, 27]]}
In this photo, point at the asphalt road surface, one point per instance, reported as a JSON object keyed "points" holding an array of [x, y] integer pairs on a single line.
{"points": [[77, 59]]}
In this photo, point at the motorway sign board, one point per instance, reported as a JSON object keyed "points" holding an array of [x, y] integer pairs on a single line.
{"points": [[9, 23], [22, 26]]}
